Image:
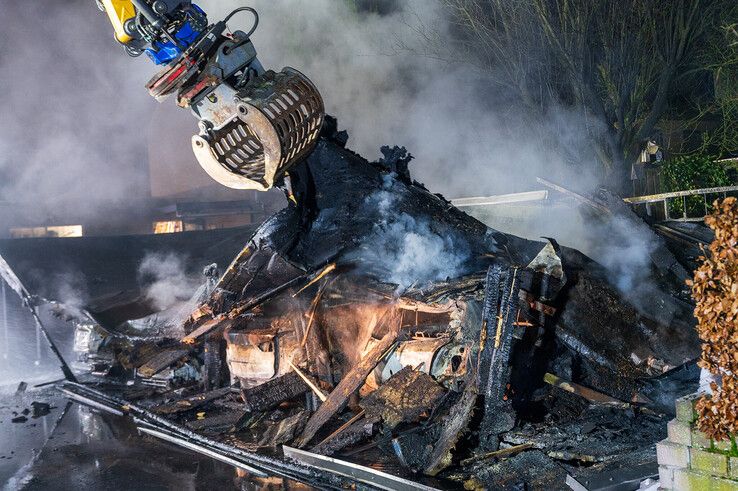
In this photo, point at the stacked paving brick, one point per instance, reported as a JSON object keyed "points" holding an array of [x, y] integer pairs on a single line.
{"points": [[689, 460]]}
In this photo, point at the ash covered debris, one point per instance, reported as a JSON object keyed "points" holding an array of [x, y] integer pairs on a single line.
{"points": [[372, 321]]}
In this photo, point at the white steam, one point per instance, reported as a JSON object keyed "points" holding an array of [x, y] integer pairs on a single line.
{"points": [[166, 283], [405, 250]]}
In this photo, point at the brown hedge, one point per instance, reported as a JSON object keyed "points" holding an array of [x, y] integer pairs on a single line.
{"points": [[715, 291]]}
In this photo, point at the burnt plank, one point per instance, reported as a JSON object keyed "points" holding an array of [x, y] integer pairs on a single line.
{"points": [[352, 434], [217, 424], [454, 426], [221, 321], [347, 386], [285, 430], [403, 398], [274, 392], [160, 361], [498, 416]]}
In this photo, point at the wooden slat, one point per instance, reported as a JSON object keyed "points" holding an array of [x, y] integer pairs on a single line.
{"points": [[587, 393], [160, 361], [347, 386]]}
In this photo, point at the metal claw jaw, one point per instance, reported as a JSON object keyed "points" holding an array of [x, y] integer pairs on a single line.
{"points": [[275, 123]]}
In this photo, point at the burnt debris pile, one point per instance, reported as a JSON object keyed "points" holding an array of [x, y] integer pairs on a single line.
{"points": [[374, 322]]}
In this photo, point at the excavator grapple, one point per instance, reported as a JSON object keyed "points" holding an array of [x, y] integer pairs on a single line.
{"points": [[273, 123], [255, 124]]}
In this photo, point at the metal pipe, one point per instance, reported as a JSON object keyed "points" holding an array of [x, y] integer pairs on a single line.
{"points": [[684, 207], [151, 16], [157, 21], [5, 321], [38, 343], [15, 284]]}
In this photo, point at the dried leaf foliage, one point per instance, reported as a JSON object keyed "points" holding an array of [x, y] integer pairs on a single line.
{"points": [[715, 290]]}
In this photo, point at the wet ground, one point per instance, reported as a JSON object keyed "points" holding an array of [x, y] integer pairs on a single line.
{"points": [[75, 447]]}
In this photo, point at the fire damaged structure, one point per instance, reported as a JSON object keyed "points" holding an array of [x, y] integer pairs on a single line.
{"points": [[371, 324]]}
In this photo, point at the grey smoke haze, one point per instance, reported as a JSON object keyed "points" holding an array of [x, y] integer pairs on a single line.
{"points": [[78, 125], [73, 113]]}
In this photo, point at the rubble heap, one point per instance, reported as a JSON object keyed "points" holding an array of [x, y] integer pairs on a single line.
{"points": [[372, 321]]}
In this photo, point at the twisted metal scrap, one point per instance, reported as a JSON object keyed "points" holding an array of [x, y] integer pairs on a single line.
{"points": [[715, 291]]}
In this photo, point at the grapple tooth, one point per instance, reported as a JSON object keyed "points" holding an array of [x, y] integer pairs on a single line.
{"points": [[279, 118]]}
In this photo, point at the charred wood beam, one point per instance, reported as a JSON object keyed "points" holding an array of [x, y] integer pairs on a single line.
{"points": [[214, 367], [490, 314], [220, 322], [313, 386], [585, 392], [456, 423], [495, 360], [347, 386], [354, 431], [333, 435], [161, 360], [273, 392]]}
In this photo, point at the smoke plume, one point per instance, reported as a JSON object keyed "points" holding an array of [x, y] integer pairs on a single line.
{"points": [[78, 125]]}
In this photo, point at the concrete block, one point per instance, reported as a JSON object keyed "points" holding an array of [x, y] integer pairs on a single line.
{"points": [[713, 463], [689, 480], [679, 432], [666, 477], [671, 454], [700, 440], [685, 408], [721, 484]]}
